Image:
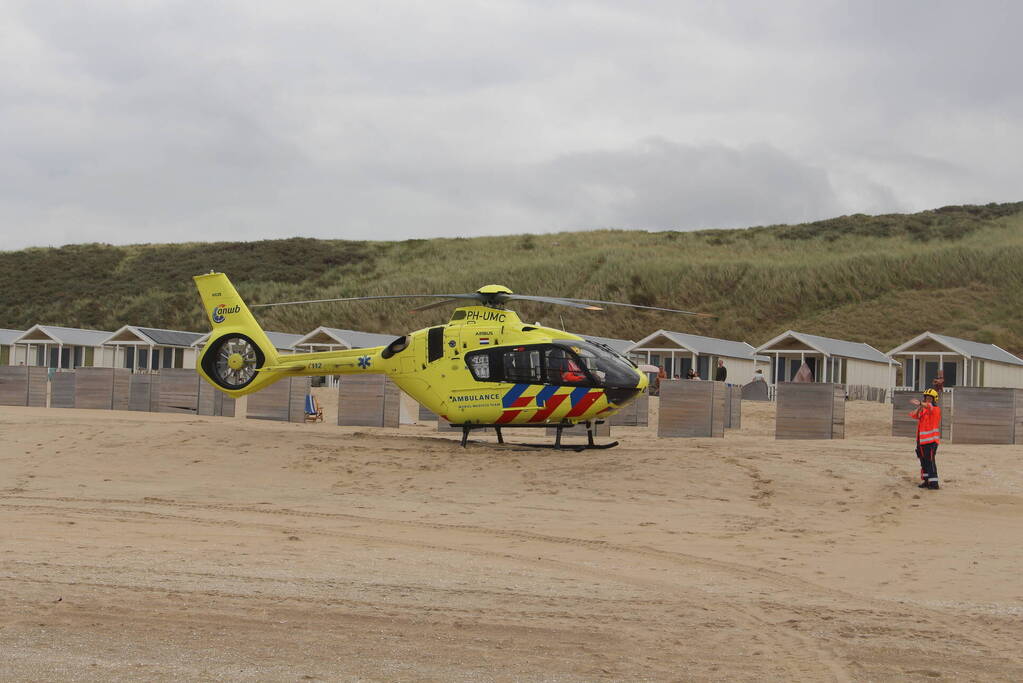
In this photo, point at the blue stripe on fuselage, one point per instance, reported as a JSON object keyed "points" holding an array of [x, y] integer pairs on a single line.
{"points": [[577, 394], [513, 395], [545, 393]]}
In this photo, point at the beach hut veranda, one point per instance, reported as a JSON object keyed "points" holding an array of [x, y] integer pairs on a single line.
{"points": [[150, 349], [830, 360], [965, 363]]}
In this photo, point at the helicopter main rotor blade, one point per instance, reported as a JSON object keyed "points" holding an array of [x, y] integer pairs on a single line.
{"points": [[552, 300], [368, 298], [648, 308], [435, 304]]}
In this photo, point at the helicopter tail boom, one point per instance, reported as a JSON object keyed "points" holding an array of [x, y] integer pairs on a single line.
{"points": [[238, 356]]}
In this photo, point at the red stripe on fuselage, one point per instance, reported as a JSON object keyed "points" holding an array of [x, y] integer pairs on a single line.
{"points": [[522, 401], [584, 403], [508, 416], [552, 404]]}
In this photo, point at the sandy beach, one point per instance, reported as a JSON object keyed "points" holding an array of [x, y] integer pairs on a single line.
{"points": [[137, 546]]}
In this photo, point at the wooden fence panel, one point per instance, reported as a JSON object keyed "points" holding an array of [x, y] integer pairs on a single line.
{"points": [[838, 413], [634, 414], [140, 392], [984, 415], [38, 383], [271, 403], [300, 386], [426, 415], [692, 409], [755, 391], [62, 390], [213, 401], [94, 388], [368, 401], [14, 386], [811, 410], [1018, 427], [178, 391], [122, 389], [733, 414]]}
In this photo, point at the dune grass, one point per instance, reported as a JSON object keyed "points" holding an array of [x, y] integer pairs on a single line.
{"points": [[878, 279]]}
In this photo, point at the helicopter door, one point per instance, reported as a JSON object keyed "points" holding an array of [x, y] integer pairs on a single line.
{"points": [[435, 344]]}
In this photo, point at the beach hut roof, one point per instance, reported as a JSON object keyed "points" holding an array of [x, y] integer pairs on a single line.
{"points": [[70, 336], [7, 337], [155, 336], [353, 339], [832, 347], [964, 347], [705, 346]]}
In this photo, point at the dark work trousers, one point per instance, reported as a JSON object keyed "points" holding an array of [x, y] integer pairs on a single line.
{"points": [[928, 454]]}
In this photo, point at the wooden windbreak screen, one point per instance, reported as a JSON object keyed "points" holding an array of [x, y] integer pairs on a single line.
{"points": [[755, 391], [810, 410], [691, 408], [62, 390], [23, 386], [1018, 422], [177, 391], [986, 415], [634, 414], [284, 400], [368, 401], [213, 401], [426, 415], [38, 380], [733, 414], [102, 388], [143, 392]]}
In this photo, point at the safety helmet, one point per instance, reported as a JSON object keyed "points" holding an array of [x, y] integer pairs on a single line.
{"points": [[932, 393]]}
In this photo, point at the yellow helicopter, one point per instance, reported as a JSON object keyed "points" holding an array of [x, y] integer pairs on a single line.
{"points": [[484, 368]]}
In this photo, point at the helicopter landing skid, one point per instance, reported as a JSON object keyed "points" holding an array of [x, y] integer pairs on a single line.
{"points": [[590, 444]]}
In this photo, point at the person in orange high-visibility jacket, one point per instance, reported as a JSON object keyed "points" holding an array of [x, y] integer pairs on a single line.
{"points": [[928, 436]]}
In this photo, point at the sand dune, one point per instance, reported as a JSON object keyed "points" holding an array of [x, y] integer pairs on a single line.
{"points": [[160, 547]]}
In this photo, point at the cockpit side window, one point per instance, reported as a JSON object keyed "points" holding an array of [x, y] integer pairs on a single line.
{"points": [[567, 363], [523, 364]]}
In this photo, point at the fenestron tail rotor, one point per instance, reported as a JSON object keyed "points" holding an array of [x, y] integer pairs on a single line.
{"points": [[493, 296], [233, 361]]}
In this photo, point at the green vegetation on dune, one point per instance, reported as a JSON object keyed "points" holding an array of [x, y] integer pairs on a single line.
{"points": [[878, 279]]}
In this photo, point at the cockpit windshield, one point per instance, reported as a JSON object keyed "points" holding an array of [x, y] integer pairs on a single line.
{"points": [[607, 368]]}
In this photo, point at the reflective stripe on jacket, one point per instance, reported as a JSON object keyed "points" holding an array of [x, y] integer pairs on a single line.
{"points": [[928, 425]]}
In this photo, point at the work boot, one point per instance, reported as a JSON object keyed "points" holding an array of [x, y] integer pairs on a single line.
{"points": [[922, 485], [933, 485]]}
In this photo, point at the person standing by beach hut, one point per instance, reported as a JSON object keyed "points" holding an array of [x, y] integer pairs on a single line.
{"points": [[928, 436], [722, 372]]}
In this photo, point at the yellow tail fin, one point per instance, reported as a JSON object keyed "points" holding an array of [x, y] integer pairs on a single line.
{"points": [[238, 348]]}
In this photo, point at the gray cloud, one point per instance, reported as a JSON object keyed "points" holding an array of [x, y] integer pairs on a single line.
{"points": [[226, 120]]}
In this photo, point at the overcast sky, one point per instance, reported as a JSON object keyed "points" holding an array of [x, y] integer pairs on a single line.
{"points": [[150, 121]]}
